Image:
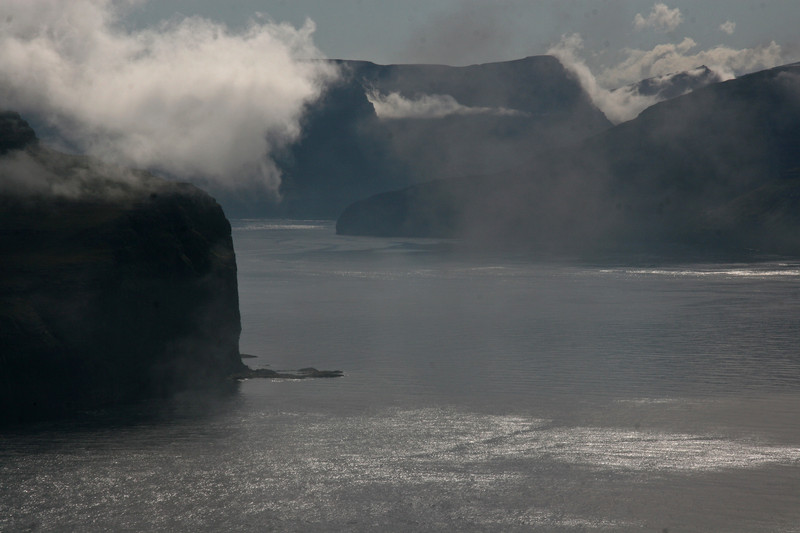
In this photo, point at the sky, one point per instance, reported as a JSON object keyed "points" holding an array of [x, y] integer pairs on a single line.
{"points": [[461, 32], [210, 90]]}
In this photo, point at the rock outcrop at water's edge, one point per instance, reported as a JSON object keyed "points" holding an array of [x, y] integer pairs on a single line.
{"points": [[303, 373]]}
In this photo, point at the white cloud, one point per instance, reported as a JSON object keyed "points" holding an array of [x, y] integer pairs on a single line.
{"points": [[620, 104], [667, 58], [728, 27], [661, 18], [44, 172], [190, 97], [394, 105]]}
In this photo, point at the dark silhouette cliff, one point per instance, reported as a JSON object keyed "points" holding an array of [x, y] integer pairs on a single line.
{"points": [[716, 169], [114, 285]]}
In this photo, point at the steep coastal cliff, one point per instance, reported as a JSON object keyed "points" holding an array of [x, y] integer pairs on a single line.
{"points": [[114, 285]]}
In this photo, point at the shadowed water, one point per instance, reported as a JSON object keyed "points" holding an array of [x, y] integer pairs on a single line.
{"points": [[482, 393]]}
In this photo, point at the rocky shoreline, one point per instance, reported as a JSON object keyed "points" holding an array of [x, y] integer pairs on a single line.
{"points": [[303, 373]]}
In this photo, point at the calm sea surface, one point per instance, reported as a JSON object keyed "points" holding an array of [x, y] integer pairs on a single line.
{"points": [[481, 393]]}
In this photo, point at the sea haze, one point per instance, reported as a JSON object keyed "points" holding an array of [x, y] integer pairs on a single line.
{"points": [[482, 392]]}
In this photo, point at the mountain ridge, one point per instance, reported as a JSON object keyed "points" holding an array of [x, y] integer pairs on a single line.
{"points": [[494, 113], [681, 172]]}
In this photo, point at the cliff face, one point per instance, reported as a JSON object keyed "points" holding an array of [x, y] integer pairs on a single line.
{"points": [[114, 285]]}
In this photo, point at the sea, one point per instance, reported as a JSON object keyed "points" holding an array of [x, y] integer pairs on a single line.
{"points": [[482, 391]]}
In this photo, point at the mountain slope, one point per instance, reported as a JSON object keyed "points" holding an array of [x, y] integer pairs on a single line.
{"points": [[714, 169], [387, 126]]}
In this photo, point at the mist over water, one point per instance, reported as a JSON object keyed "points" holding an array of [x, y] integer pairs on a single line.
{"points": [[482, 392], [455, 321]]}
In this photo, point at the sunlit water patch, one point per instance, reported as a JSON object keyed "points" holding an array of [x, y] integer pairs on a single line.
{"points": [[762, 271], [430, 468], [409, 441]]}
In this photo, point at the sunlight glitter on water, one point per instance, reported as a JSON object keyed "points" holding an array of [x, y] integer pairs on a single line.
{"points": [[441, 452], [767, 271], [431, 435], [349, 473]]}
